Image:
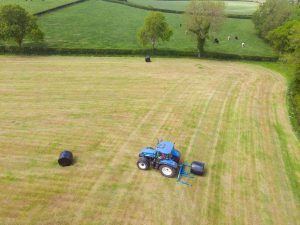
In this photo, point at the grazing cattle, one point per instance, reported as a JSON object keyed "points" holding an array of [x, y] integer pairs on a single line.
{"points": [[243, 44], [216, 41]]}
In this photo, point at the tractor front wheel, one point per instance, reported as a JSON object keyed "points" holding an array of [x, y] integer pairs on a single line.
{"points": [[143, 164], [167, 171]]}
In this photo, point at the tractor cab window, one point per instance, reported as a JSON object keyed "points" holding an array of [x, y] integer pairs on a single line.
{"points": [[162, 156], [167, 156], [158, 154]]}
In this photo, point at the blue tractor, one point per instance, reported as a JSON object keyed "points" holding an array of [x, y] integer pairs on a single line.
{"points": [[167, 159]]}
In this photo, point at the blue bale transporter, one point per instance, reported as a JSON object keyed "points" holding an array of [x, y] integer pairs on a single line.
{"points": [[166, 159]]}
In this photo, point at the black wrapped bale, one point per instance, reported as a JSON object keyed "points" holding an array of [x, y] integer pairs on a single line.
{"points": [[197, 168], [147, 58], [65, 158]]}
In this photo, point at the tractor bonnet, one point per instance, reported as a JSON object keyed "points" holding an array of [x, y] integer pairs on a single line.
{"points": [[148, 151]]}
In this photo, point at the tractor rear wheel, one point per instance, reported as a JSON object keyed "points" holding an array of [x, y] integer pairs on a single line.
{"points": [[143, 164], [197, 168], [167, 171]]}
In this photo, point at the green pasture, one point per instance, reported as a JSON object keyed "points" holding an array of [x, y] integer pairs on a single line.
{"points": [[232, 7], [98, 24], [35, 6]]}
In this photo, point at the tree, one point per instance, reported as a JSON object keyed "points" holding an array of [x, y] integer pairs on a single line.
{"points": [[296, 12], [297, 74], [285, 38], [270, 15], [155, 28], [295, 98], [295, 2], [202, 17], [16, 24]]}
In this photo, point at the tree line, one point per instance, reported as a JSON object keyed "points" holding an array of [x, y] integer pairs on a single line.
{"points": [[278, 22]]}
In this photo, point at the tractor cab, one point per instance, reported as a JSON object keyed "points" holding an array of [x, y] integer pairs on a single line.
{"points": [[165, 147], [166, 150]]}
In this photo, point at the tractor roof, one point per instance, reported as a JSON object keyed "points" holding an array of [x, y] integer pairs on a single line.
{"points": [[165, 147]]}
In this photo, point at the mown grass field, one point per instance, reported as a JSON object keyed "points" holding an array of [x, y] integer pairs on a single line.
{"points": [[109, 25], [232, 7], [230, 115], [34, 6]]}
